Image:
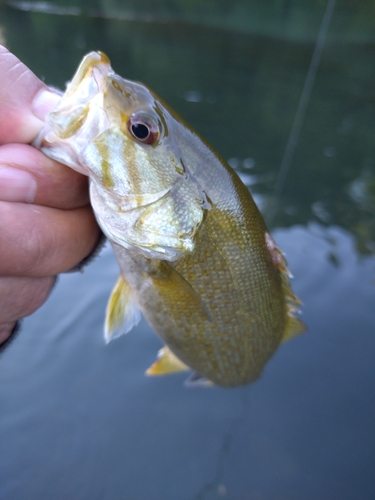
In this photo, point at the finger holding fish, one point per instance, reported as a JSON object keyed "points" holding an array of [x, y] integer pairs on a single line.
{"points": [[36, 243], [24, 100], [41, 241], [28, 176], [46, 222]]}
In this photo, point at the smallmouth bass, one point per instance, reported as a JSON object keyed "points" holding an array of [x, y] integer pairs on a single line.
{"points": [[195, 255]]}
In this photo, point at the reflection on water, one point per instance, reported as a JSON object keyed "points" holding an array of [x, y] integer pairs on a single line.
{"points": [[79, 419], [362, 192]]}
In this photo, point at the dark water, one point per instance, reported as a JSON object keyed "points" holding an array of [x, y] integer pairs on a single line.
{"points": [[78, 419]]}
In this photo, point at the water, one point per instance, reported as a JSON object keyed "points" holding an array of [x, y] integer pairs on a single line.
{"points": [[79, 419]]}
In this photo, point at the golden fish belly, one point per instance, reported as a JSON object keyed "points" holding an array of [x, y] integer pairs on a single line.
{"points": [[220, 309]]}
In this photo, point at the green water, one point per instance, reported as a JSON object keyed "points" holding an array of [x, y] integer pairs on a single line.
{"points": [[78, 419]]}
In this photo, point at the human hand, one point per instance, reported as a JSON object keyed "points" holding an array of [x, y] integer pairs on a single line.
{"points": [[46, 222]]}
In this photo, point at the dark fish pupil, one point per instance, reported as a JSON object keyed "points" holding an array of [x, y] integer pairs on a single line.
{"points": [[140, 131]]}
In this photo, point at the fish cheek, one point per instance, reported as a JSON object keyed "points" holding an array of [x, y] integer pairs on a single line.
{"points": [[104, 157]]}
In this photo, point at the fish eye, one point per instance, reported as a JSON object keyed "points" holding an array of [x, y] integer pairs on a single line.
{"points": [[144, 128]]}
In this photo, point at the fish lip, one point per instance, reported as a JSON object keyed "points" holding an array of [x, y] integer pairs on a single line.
{"points": [[91, 62]]}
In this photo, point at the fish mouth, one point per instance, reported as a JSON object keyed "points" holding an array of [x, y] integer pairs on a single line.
{"points": [[59, 139], [94, 61]]}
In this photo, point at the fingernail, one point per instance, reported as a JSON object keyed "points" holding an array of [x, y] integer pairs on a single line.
{"points": [[44, 102], [17, 185]]}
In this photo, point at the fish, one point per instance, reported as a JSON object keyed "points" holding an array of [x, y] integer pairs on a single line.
{"points": [[195, 256]]}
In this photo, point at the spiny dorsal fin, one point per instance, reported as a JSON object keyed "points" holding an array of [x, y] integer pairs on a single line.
{"points": [[166, 362], [122, 313]]}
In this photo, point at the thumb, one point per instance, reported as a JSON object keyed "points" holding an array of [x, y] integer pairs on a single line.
{"points": [[24, 100]]}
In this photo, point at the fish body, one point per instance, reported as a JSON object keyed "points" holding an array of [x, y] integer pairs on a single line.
{"points": [[195, 255]]}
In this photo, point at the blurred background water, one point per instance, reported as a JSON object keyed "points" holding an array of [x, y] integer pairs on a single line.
{"points": [[283, 89]]}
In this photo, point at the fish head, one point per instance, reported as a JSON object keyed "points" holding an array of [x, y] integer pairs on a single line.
{"points": [[120, 134], [100, 108]]}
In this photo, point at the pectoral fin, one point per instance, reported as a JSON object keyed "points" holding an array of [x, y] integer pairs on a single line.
{"points": [[167, 362], [178, 284], [122, 312], [173, 287]]}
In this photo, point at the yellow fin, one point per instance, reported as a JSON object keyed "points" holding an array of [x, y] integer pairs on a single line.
{"points": [[293, 328], [122, 313], [167, 362]]}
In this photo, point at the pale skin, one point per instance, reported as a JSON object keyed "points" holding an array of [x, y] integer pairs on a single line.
{"points": [[46, 223]]}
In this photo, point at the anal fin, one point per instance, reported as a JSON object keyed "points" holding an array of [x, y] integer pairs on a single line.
{"points": [[166, 362], [122, 313]]}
